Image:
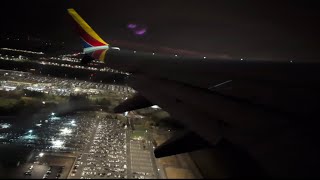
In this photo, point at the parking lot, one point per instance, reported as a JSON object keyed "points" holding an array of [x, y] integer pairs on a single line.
{"points": [[89, 145], [97, 146], [141, 163], [105, 155], [51, 167], [58, 86]]}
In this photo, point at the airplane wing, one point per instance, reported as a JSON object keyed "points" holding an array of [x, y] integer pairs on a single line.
{"points": [[246, 102]]}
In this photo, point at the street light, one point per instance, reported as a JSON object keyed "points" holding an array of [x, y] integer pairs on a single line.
{"points": [[41, 154]]}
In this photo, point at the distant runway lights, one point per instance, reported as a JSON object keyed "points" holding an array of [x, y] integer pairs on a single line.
{"points": [[134, 51], [241, 59], [43, 102], [291, 61], [176, 55], [204, 57], [152, 53]]}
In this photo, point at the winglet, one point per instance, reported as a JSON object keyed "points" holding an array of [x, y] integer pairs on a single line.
{"points": [[86, 32], [93, 44]]}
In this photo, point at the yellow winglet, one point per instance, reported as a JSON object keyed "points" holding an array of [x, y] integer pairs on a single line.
{"points": [[86, 32]]}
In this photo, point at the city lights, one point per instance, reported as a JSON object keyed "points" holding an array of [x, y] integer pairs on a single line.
{"points": [[5, 125], [66, 131], [57, 143], [73, 123]]}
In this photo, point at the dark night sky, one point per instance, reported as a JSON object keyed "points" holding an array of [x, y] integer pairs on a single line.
{"points": [[266, 29]]}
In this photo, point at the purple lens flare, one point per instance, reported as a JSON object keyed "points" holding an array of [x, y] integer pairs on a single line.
{"points": [[137, 29], [140, 31], [132, 26]]}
